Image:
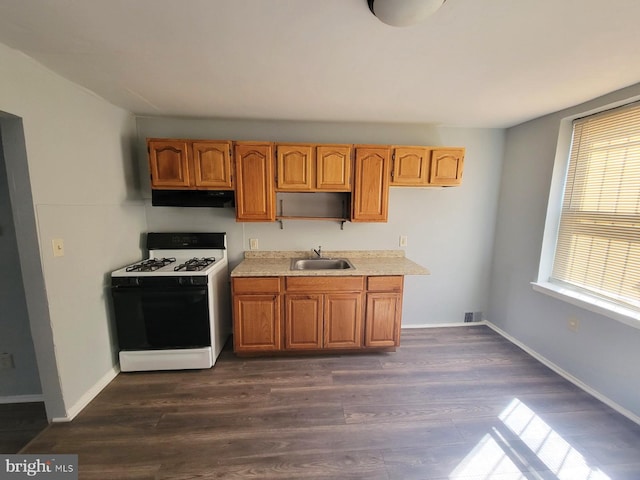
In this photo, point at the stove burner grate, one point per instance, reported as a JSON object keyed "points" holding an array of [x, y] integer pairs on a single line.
{"points": [[195, 264], [150, 264]]}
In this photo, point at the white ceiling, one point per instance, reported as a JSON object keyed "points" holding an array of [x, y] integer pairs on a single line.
{"points": [[481, 63]]}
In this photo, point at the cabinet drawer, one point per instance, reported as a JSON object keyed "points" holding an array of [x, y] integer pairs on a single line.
{"points": [[256, 285], [384, 284], [324, 284]]}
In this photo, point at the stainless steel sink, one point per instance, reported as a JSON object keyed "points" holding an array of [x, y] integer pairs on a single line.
{"points": [[321, 264]]}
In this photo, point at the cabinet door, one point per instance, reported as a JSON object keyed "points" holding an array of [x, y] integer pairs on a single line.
{"points": [[169, 164], [410, 166], [382, 319], [333, 168], [343, 320], [294, 168], [303, 322], [447, 166], [212, 165], [256, 323], [371, 188], [255, 195]]}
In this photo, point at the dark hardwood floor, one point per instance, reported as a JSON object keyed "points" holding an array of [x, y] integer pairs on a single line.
{"points": [[451, 403], [19, 423]]}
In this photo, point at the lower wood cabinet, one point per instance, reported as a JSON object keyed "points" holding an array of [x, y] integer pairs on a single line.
{"points": [[256, 314], [318, 314], [317, 321], [383, 311]]}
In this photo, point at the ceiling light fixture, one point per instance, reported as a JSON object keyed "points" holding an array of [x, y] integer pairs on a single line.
{"points": [[403, 13]]}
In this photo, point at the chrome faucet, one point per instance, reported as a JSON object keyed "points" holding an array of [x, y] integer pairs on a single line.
{"points": [[318, 252]]}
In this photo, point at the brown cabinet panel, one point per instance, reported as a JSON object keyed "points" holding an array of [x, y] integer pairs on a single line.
{"points": [[333, 168], [343, 320], [212, 164], [371, 187], [382, 319], [447, 165], [410, 166], [256, 284], [303, 322], [255, 194], [324, 284], [256, 326], [294, 167], [169, 164], [385, 283]]}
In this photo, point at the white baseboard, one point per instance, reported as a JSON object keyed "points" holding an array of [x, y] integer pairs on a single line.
{"points": [[22, 399], [442, 325], [76, 408], [577, 382]]}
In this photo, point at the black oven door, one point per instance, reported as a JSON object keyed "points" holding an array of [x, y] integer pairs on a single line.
{"points": [[161, 317]]}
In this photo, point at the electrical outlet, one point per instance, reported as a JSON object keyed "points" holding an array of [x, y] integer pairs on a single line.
{"points": [[403, 240], [573, 324], [253, 244], [58, 247], [6, 361]]}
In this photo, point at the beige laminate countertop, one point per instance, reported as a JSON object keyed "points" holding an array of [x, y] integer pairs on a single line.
{"points": [[366, 262]]}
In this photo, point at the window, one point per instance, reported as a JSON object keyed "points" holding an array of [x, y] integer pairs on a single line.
{"points": [[598, 244]]}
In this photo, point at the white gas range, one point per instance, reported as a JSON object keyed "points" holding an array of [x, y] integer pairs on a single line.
{"points": [[172, 309]]}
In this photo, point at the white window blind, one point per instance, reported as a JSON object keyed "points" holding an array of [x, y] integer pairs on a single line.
{"points": [[598, 246]]}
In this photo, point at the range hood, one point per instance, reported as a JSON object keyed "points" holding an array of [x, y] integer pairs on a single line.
{"points": [[192, 198]]}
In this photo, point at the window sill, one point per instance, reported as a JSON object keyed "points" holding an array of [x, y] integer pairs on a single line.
{"points": [[593, 304]]}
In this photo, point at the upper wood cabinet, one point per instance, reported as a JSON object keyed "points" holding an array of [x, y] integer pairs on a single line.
{"points": [[190, 164], [295, 165], [447, 165], [169, 163], [255, 193], [410, 166], [312, 168], [427, 166], [370, 199], [212, 165], [333, 168]]}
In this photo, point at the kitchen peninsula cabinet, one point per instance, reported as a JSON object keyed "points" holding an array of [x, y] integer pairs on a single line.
{"points": [[447, 165], [255, 192], [370, 202], [323, 312], [313, 168], [190, 164], [256, 314]]}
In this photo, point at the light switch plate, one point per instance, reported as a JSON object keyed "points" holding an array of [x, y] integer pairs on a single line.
{"points": [[403, 240], [58, 247], [253, 244]]}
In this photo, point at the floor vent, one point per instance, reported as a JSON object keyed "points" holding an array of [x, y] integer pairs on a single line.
{"points": [[472, 317]]}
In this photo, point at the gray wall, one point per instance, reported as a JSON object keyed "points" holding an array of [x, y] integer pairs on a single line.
{"points": [[449, 230], [15, 334], [73, 177], [604, 353]]}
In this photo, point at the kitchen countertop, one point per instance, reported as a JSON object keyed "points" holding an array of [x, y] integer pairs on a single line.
{"points": [[259, 263]]}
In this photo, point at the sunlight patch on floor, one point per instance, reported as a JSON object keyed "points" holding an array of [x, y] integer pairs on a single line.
{"points": [[498, 455]]}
